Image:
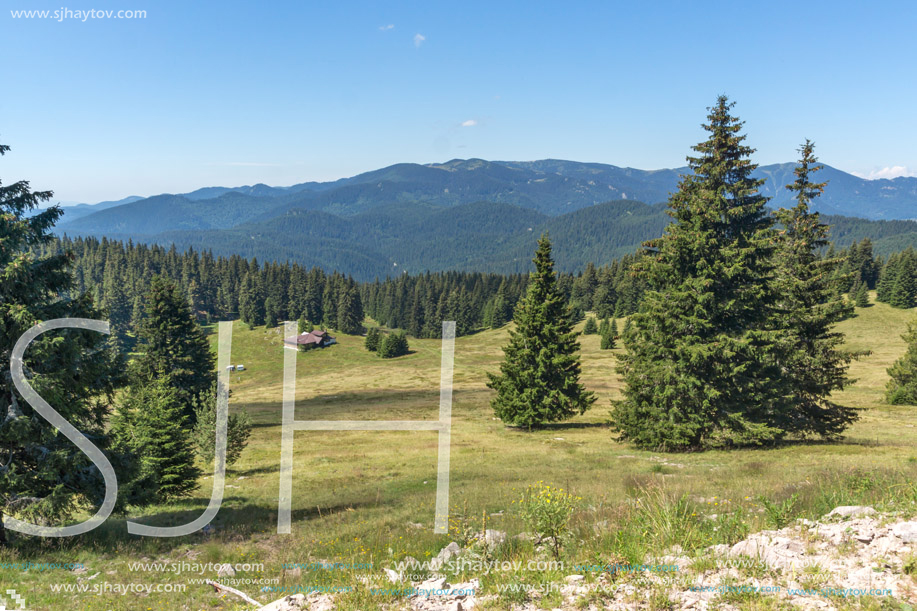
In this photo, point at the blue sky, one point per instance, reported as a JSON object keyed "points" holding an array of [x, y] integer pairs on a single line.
{"points": [[229, 93]]}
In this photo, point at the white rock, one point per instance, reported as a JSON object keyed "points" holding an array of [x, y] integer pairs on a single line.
{"points": [[494, 537], [436, 583], [226, 570], [573, 578], [906, 531], [294, 602], [392, 576], [846, 511], [445, 555]]}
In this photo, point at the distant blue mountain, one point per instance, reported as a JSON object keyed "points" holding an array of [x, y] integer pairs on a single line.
{"points": [[465, 213]]}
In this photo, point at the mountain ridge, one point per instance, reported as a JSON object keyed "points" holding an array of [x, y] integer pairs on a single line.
{"points": [[552, 186], [468, 214]]}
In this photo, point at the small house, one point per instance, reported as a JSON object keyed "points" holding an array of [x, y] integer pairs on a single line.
{"points": [[309, 339]]}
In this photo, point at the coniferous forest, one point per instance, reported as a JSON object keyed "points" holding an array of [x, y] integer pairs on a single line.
{"points": [[450, 307]]}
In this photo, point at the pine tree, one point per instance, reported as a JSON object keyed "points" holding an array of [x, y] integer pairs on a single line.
{"points": [[350, 313], [238, 429], [861, 297], [150, 423], [501, 309], [887, 279], [902, 385], [604, 326], [903, 292], [303, 325], [813, 360], [249, 309], [608, 333], [538, 381], [393, 345], [271, 312], [42, 474], [373, 337], [590, 328], [172, 344], [699, 363], [401, 344]]}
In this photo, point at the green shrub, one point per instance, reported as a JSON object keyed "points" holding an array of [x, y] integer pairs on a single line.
{"points": [[779, 514], [547, 511]]}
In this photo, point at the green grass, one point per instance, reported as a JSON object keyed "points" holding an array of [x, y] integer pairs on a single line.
{"points": [[357, 496]]}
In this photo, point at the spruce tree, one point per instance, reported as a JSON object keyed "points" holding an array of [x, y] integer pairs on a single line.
{"points": [[373, 337], [813, 360], [43, 476], [608, 333], [861, 298], [887, 279], [238, 429], [590, 327], [501, 309], [172, 344], [902, 385], [903, 292], [350, 313], [538, 381], [699, 364], [603, 326], [271, 312], [150, 423], [393, 345]]}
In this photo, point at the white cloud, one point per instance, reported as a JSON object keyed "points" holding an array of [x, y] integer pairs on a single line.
{"points": [[469, 123], [886, 172], [390, 26], [418, 39]]}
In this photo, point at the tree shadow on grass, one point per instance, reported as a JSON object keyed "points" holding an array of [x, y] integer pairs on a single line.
{"points": [[563, 426], [558, 426], [232, 523], [274, 468]]}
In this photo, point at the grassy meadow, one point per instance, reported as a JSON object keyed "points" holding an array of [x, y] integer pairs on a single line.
{"points": [[369, 497]]}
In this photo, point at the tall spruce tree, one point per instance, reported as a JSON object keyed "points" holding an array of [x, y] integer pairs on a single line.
{"points": [[350, 312], [903, 292], [42, 474], [699, 364], [813, 361], [150, 423], [608, 333], [861, 297], [172, 344], [538, 381], [902, 385]]}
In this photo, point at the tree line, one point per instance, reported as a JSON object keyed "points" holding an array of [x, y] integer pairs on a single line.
{"points": [[118, 276]]}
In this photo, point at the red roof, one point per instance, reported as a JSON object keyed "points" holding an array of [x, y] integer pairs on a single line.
{"points": [[312, 337]]}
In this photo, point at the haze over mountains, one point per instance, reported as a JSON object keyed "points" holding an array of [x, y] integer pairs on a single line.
{"points": [[463, 214]]}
